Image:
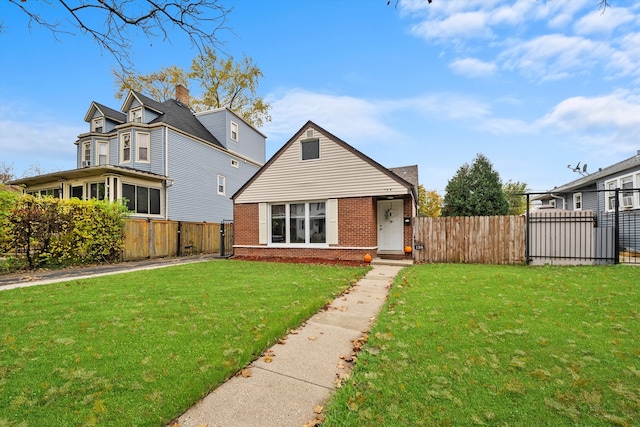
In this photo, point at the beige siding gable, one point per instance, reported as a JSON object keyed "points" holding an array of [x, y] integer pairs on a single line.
{"points": [[338, 173]]}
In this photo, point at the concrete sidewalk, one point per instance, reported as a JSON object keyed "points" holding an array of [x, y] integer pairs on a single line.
{"points": [[284, 386]]}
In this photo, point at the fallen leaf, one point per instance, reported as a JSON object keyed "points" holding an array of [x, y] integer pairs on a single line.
{"points": [[312, 338], [282, 341], [340, 365], [268, 359], [246, 373], [318, 409]]}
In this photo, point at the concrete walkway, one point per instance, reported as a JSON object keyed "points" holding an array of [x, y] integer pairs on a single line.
{"points": [[294, 379]]}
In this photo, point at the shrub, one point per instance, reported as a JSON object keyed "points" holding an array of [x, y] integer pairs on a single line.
{"points": [[51, 231]]}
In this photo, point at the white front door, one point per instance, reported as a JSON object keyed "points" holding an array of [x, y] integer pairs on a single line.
{"points": [[390, 223]]}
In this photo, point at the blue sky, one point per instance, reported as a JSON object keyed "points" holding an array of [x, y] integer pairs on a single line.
{"points": [[533, 85]]}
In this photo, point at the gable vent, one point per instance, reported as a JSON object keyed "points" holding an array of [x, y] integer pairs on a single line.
{"points": [[309, 133]]}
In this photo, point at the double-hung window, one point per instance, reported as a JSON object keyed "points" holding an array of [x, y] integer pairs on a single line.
{"points": [[102, 157], [86, 154], [627, 196], [221, 185], [298, 223], [125, 148], [234, 131], [97, 125], [577, 201], [135, 115], [142, 145]]}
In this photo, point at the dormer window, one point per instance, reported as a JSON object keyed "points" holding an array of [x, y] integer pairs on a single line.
{"points": [[135, 115], [97, 125]]}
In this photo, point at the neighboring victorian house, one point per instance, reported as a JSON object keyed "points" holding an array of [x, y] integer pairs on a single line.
{"points": [[168, 162], [593, 191], [320, 198]]}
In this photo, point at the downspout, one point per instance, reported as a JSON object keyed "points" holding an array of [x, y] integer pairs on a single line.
{"points": [[166, 172], [564, 202]]}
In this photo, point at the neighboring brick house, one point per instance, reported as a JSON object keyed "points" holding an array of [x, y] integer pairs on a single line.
{"points": [[318, 197], [166, 160]]}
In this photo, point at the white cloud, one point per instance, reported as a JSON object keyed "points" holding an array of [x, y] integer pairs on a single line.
{"points": [[24, 142], [472, 67], [626, 60], [359, 120], [347, 117], [554, 56], [606, 120], [597, 22], [459, 25]]}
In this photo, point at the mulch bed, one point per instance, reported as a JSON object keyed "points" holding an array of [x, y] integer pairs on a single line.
{"points": [[305, 260]]}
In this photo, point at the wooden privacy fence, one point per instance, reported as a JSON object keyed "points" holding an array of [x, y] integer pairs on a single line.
{"points": [[159, 238], [474, 239]]}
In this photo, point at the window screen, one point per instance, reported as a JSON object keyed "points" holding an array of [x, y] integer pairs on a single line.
{"points": [[310, 149]]}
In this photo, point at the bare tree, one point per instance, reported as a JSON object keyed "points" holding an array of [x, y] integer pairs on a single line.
{"points": [[199, 20], [6, 173]]}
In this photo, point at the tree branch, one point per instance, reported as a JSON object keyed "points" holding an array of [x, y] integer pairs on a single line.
{"points": [[199, 20]]}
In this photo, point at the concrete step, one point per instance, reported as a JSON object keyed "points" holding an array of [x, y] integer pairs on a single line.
{"points": [[396, 262]]}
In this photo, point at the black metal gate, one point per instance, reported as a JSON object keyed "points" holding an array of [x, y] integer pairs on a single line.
{"points": [[598, 236], [226, 238]]}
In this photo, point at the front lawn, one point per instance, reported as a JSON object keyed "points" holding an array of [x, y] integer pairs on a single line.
{"points": [[464, 345], [137, 349]]}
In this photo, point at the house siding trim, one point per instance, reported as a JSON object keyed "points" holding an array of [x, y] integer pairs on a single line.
{"points": [[386, 182]]}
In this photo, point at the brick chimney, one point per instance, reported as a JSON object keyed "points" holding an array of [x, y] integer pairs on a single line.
{"points": [[182, 94]]}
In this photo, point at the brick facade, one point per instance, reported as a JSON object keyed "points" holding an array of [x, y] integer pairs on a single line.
{"points": [[357, 233]]}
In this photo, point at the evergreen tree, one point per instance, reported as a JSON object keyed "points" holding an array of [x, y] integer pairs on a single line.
{"points": [[475, 190], [457, 194]]}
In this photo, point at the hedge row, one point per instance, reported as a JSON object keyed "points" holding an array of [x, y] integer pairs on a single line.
{"points": [[50, 231]]}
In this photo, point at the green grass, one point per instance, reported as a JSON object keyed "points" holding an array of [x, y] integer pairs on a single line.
{"points": [[464, 345], [138, 349]]}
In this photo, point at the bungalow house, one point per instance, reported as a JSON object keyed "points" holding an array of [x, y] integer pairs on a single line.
{"points": [[320, 198], [165, 160], [595, 191]]}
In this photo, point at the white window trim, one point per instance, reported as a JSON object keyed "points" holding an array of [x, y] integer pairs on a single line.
{"points": [[235, 163], [96, 123], [133, 116], [577, 196], [122, 138], [148, 185], [86, 153], [234, 128], [221, 179], [138, 146], [330, 235], [617, 183], [97, 156]]}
